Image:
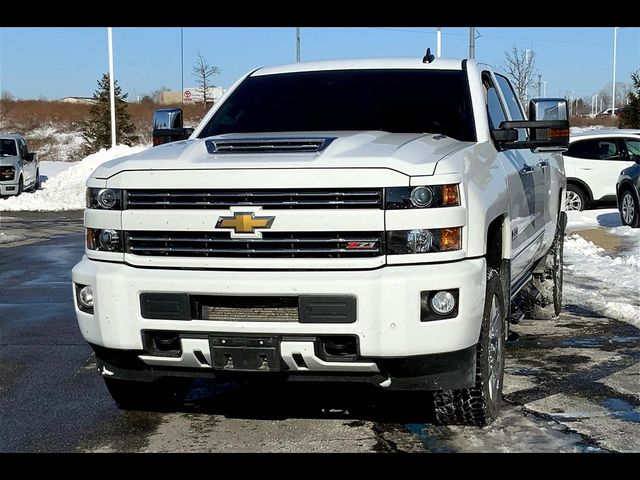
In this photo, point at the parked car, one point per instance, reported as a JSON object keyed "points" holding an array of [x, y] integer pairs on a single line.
{"points": [[593, 162], [19, 168], [628, 192], [607, 113]]}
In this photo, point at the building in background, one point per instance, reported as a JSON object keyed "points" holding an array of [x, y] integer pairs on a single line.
{"points": [[189, 95], [80, 100]]}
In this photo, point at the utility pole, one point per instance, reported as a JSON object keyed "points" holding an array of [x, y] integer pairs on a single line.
{"points": [[472, 42], [297, 44], [112, 92], [613, 95], [438, 42], [539, 85], [544, 88], [182, 67]]}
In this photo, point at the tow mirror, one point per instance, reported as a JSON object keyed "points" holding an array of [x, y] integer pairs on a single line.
{"points": [[167, 126], [548, 126]]}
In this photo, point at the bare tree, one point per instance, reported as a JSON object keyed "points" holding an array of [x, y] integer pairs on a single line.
{"points": [[521, 67], [203, 71]]}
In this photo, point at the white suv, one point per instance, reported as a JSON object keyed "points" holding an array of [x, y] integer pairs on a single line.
{"points": [[594, 161]]}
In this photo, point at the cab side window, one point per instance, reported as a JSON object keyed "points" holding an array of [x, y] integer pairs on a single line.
{"points": [[22, 147], [513, 105], [494, 106]]}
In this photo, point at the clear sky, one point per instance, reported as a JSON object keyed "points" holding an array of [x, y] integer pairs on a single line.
{"points": [[59, 62]]}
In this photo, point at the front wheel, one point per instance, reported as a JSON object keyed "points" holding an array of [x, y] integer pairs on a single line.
{"points": [[629, 210], [480, 404], [36, 182], [20, 186], [163, 394]]}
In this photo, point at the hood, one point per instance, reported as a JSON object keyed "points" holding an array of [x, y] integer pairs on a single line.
{"points": [[9, 161], [408, 153]]}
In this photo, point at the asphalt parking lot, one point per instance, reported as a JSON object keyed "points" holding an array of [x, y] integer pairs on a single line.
{"points": [[571, 384]]}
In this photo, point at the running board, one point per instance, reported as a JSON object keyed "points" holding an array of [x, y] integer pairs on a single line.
{"points": [[519, 284]]}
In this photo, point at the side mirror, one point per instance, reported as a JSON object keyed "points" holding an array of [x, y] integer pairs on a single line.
{"points": [[548, 109], [548, 126], [31, 157], [167, 126]]}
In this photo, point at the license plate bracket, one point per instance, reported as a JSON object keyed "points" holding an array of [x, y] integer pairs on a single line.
{"points": [[245, 354]]}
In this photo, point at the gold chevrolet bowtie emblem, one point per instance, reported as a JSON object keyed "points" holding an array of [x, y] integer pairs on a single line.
{"points": [[244, 222]]}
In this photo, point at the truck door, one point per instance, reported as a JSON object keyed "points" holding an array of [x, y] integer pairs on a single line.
{"points": [[526, 183], [29, 167]]}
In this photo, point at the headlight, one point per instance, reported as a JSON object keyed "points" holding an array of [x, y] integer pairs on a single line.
{"points": [[401, 242], [104, 198], [106, 240], [422, 197], [7, 173]]}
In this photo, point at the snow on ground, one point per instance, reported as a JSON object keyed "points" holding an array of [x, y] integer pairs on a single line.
{"points": [[606, 281], [56, 145], [66, 189], [5, 238], [574, 130], [50, 169]]}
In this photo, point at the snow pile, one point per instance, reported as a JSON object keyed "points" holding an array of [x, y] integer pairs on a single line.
{"points": [[66, 190], [4, 238], [574, 130], [609, 285], [56, 145]]}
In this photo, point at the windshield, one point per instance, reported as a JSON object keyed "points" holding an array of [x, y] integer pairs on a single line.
{"points": [[7, 147], [402, 101]]}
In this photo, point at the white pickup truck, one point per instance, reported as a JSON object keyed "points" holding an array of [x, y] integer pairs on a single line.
{"points": [[367, 220], [19, 168]]}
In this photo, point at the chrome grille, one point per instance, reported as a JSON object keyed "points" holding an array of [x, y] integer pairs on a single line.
{"points": [[272, 199], [272, 244]]}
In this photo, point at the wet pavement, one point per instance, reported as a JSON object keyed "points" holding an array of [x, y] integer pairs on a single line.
{"points": [[571, 385]]}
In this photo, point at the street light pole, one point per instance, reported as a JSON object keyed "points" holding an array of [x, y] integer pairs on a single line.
{"points": [[112, 94], [472, 42], [613, 95], [438, 42], [297, 44]]}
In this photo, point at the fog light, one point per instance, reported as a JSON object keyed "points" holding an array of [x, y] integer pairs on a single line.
{"points": [[85, 297], [109, 240], [107, 198], [443, 303], [421, 197]]}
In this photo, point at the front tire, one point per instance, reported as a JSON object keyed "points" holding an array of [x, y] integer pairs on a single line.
{"points": [[163, 394], [20, 187], [629, 210], [577, 199], [36, 182], [480, 405]]}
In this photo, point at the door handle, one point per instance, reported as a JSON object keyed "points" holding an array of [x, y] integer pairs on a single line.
{"points": [[586, 168], [543, 163], [526, 169]]}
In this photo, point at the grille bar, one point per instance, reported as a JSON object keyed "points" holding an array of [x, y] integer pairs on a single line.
{"points": [[273, 244], [273, 199]]}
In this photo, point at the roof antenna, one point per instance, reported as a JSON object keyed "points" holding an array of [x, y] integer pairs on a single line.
{"points": [[429, 57]]}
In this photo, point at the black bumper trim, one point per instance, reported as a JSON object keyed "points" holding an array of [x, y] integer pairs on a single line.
{"points": [[443, 371]]}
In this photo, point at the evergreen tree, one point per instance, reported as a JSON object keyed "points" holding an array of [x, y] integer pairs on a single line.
{"points": [[630, 116], [97, 130]]}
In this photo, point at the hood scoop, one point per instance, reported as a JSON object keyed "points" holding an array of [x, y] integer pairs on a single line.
{"points": [[268, 145]]}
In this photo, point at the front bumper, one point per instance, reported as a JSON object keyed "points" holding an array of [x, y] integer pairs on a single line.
{"points": [[8, 188], [387, 325]]}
